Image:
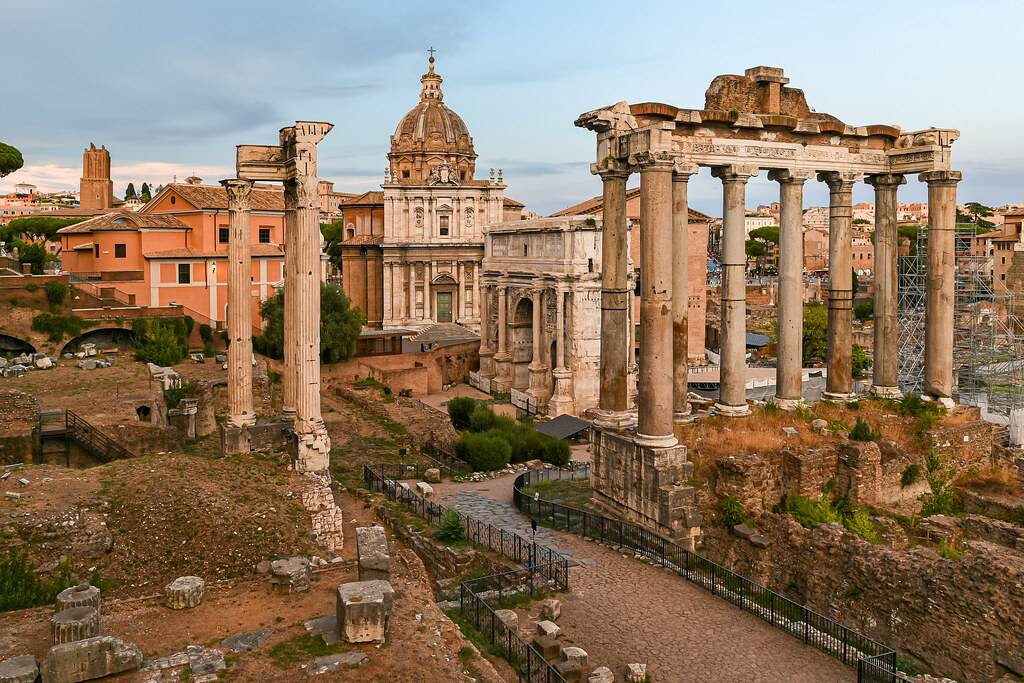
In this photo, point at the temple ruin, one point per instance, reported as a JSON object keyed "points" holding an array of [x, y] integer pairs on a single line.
{"points": [[748, 123]]}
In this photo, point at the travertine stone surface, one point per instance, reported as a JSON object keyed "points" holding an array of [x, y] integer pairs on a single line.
{"points": [[601, 674], [85, 660], [510, 618], [432, 475], [317, 498], [548, 628], [82, 595], [680, 292], [885, 374], [185, 592], [75, 623], [363, 610], [940, 293], [551, 609], [239, 323], [636, 673], [290, 575], [372, 551], [21, 669], [424, 489], [839, 384], [329, 526]]}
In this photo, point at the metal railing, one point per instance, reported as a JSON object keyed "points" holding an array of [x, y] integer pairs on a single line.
{"points": [[446, 459], [98, 443], [874, 661], [543, 570]]}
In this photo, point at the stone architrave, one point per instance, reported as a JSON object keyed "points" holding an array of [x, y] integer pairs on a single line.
{"points": [[839, 384], [885, 371], [240, 401], [940, 292]]}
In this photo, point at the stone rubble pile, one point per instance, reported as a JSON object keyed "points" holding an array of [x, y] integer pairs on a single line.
{"points": [[24, 363]]}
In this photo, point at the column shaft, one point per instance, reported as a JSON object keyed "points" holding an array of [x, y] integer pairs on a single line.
{"points": [[502, 306], [940, 295], [885, 371], [483, 295], [538, 309], [789, 367], [840, 285], [680, 296], [291, 249], [240, 402], [559, 360], [616, 339], [732, 398], [655, 416]]}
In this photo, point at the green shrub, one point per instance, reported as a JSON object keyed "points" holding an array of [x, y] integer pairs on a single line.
{"points": [[208, 350], [771, 408], [189, 324], [459, 410], [55, 326], [557, 452], [21, 588], [862, 432], [56, 293], [450, 527], [166, 346], [948, 552], [14, 301], [32, 288], [205, 333], [173, 396], [927, 413], [911, 475], [858, 523], [482, 419], [940, 499], [140, 329], [852, 592], [732, 512], [483, 451], [908, 665], [809, 512]]}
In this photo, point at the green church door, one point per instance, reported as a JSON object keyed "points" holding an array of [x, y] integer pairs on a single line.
{"points": [[444, 307]]}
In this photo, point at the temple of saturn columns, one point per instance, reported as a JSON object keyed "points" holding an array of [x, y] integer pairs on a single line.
{"points": [[748, 123], [292, 163]]}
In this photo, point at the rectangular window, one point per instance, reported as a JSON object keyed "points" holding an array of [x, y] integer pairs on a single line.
{"points": [[184, 273], [222, 235], [96, 247], [264, 235], [120, 251], [443, 224]]}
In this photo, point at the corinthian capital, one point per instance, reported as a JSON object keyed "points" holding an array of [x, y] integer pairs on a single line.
{"points": [[790, 175], [239, 193], [302, 192], [734, 172], [653, 158], [839, 181], [939, 177]]}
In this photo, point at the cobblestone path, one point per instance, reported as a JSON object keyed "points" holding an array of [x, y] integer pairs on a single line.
{"points": [[622, 610]]}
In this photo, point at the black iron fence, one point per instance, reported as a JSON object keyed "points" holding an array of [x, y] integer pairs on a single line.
{"points": [[874, 661], [447, 459]]}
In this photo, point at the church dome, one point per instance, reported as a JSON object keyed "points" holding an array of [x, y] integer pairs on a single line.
{"points": [[431, 134]]}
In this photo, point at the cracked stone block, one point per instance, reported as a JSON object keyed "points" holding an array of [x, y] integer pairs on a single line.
{"points": [[432, 475], [636, 673], [77, 623], [22, 669], [572, 672], [185, 592], [552, 609], [245, 641], [363, 610], [602, 674], [204, 660], [548, 628], [87, 659], [743, 531], [547, 646], [760, 541], [372, 550], [575, 654], [424, 489], [322, 665], [510, 618], [290, 575], [82, 595]]}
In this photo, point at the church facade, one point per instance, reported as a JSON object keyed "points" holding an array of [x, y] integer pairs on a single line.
{"points": [[411, 255]]}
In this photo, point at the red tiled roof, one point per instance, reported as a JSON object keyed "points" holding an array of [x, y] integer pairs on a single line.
{"points": [[371, 198], [596, 206], [216, 197], [125, 221], [259, 249], [512, 202]]}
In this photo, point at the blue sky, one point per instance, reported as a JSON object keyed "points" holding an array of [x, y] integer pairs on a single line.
{"points": [[171, 88]]}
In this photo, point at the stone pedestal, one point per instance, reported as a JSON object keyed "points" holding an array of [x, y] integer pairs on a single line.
{"points": [[185, 592], [372, 551], [363, 610], [85, 660], [77, 623], [21, 669], [487, 363], [561, 401], [234, 439], [646, 485], [82, 595]]}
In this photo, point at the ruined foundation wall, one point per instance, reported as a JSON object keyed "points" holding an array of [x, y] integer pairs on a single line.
{"points": [[913, 600], [19, 422]]}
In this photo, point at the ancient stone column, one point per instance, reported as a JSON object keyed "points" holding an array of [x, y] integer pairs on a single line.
{"points": [[538, 309], [616, 349], [789, 368], [301, 198], [940, 294], [559, 359], [655, 407], [839, 385], [885, 373], [290, 314], [240, 403], [561, 402], [680, 293], [732, 399]]}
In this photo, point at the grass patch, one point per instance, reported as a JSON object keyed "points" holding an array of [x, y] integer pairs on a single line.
{"points": [[21, 588], [302, 648], [572, 492]]}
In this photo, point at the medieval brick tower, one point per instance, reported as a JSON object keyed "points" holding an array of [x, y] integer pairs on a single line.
{"points": [[97, 190]]}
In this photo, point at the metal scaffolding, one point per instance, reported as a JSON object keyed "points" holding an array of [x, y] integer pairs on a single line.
{"points": [[988, 337]]}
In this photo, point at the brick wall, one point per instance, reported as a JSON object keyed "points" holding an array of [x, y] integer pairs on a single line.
{"points": [[19, 421], [963, 446]]}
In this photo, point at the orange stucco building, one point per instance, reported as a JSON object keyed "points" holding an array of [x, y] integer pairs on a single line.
{"points": [[175, 249]]}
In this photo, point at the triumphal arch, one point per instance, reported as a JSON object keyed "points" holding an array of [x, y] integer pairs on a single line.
{"points": [[748, 124]]}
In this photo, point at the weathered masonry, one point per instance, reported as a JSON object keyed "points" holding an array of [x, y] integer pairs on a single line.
{"points": [[748, 124]]}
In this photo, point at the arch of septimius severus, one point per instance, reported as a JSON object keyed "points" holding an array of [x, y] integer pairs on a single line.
{"points": [[748, 124]]}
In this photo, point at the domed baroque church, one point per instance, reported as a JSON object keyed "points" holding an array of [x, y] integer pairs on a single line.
{"points": [[412, 254]]}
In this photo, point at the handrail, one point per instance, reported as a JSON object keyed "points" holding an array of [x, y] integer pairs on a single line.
{"points": [[874, 661], [105, 448]]}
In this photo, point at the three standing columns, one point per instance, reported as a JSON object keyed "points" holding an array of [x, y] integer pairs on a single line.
{"points": [[655, 426], [839, 384], [240, 403], [940, 293], [732, 400], [789, 367], [613, 402], [680, 293], [885, 382]]}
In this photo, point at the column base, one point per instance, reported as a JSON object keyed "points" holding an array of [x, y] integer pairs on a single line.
{"points": [[487, 363], [944, 401], [789, 403], [615, 419], [886, 392], [649, 441], [241, 420], [732, 411], [843, 398], [288, 414], [684, 417]]}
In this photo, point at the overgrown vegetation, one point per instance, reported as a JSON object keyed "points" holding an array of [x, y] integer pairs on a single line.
{"points": [[173, 396], [863, 432], [55, 327], [56, 292], [524, 442], [809, 512], [459, 410], [21, 588], [911, 475], [485, 452], [947, 551], [450, 529], [940, 499], [913, 405], [732, 512], [164, 342], [302, 648]]}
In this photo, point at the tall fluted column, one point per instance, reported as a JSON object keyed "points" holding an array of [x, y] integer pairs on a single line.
{"points": [[559, 359], [940, 294], [301, 198], [240, 403], [789, 367], [655, 416], [839, 384], [290, 313], [885, 372], [732, 398], [680, 293], [616, 346], [502, 365]]}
